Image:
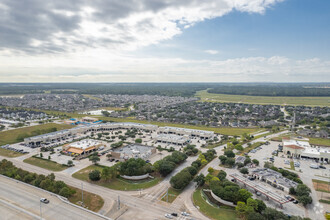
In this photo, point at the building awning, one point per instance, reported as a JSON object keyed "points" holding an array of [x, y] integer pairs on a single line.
{"points": [[75, 150]]}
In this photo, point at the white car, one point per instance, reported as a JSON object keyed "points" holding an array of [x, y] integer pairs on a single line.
{"points": [[169, 216], [184, 213]]}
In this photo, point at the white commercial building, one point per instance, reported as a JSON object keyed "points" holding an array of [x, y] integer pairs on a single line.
{"points": [[302, 149]]}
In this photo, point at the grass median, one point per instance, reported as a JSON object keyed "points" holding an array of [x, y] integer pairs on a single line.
{"points": [[172, 195], [116, 183], [46, 164], [91, 201]]}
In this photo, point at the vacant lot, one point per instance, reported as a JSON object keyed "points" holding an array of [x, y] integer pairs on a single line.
{"points": [[116, 183], [9, 153], [213, 212], [46, 164], [276, 100], [18, 135], [321, 186], [91, 201], [320, 141]]}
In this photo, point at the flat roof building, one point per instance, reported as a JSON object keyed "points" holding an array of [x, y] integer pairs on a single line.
{"points": [[302, 149], [82, 147]]}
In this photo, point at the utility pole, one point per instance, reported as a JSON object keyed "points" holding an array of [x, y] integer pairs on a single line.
{"points": [[40, 210], [118, 202], [82, 193], [167, 196]]}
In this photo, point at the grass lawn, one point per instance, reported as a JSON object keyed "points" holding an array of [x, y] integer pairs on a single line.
{"points": [[91, 201], [9, 153], [172, 194], [211, 211], [319, 141], [117, 183], [46, 164], [17, 135], [322, 186], [205, 96]]}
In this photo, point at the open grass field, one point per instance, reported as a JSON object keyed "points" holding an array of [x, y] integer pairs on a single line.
{"points": [[116, 183], [46, 164], [223, 130], [9, 153], [17, 135], [213, 212], [172, 195], [205, 96], [91, 201], [320, 141]]}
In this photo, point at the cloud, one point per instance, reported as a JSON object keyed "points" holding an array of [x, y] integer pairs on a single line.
{"points": [[121, 68], [60, 26], [212, 52]]}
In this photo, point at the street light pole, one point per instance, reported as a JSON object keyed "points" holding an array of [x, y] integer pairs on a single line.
{"points": [[82, 194], [40, 209]]}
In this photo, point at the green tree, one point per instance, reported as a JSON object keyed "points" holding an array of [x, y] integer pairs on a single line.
{"points": [[222, 175], [255, 161], [243, 195], [200, 179], [94, 175], [106, 173], [261, 206], [94, 159], [139, 140], [229, 153], [244, 170], [70, 163]]}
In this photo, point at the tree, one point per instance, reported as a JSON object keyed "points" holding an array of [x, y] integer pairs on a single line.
{"points": [[244, 170], [41, 155], [255, 216], [243, 195], [106, 174], [49, 157], [305, 200], [94, 159], [223, 159], [94, 175], [230, 162], [210, 170], [240, 165], [261, 206], [181, 179], [229, 153], [268, 165], [66, 192], [247, 161], [208, 178], [241, 209], [255, 161], [139, 140], [192, 170], [200, 179], [70, 163], [252, 203], [222, 175]]}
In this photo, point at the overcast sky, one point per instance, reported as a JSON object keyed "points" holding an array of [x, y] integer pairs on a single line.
{"points": [[164, 40]]}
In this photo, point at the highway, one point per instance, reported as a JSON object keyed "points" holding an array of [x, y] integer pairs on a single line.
{"points": [[23, 201]]}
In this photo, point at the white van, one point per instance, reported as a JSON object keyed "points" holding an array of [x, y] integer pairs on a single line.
{"points": [[314, 166]]}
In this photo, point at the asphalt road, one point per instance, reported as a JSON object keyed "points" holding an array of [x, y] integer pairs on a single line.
{"points": [[23, 202]]}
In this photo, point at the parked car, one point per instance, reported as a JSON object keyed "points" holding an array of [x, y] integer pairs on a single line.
{"points": [[314, 166], [258, 193], [44, 200], [174, 214], [295, 201], [322, 167]]}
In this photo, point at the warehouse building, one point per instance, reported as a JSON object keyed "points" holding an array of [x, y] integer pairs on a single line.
{"points": [[184, 131]]}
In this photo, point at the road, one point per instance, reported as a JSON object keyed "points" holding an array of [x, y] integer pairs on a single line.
{"points": [[24, 200], [155, 210]]}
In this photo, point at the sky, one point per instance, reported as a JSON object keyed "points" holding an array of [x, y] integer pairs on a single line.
{"points": [[165, 41]]}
